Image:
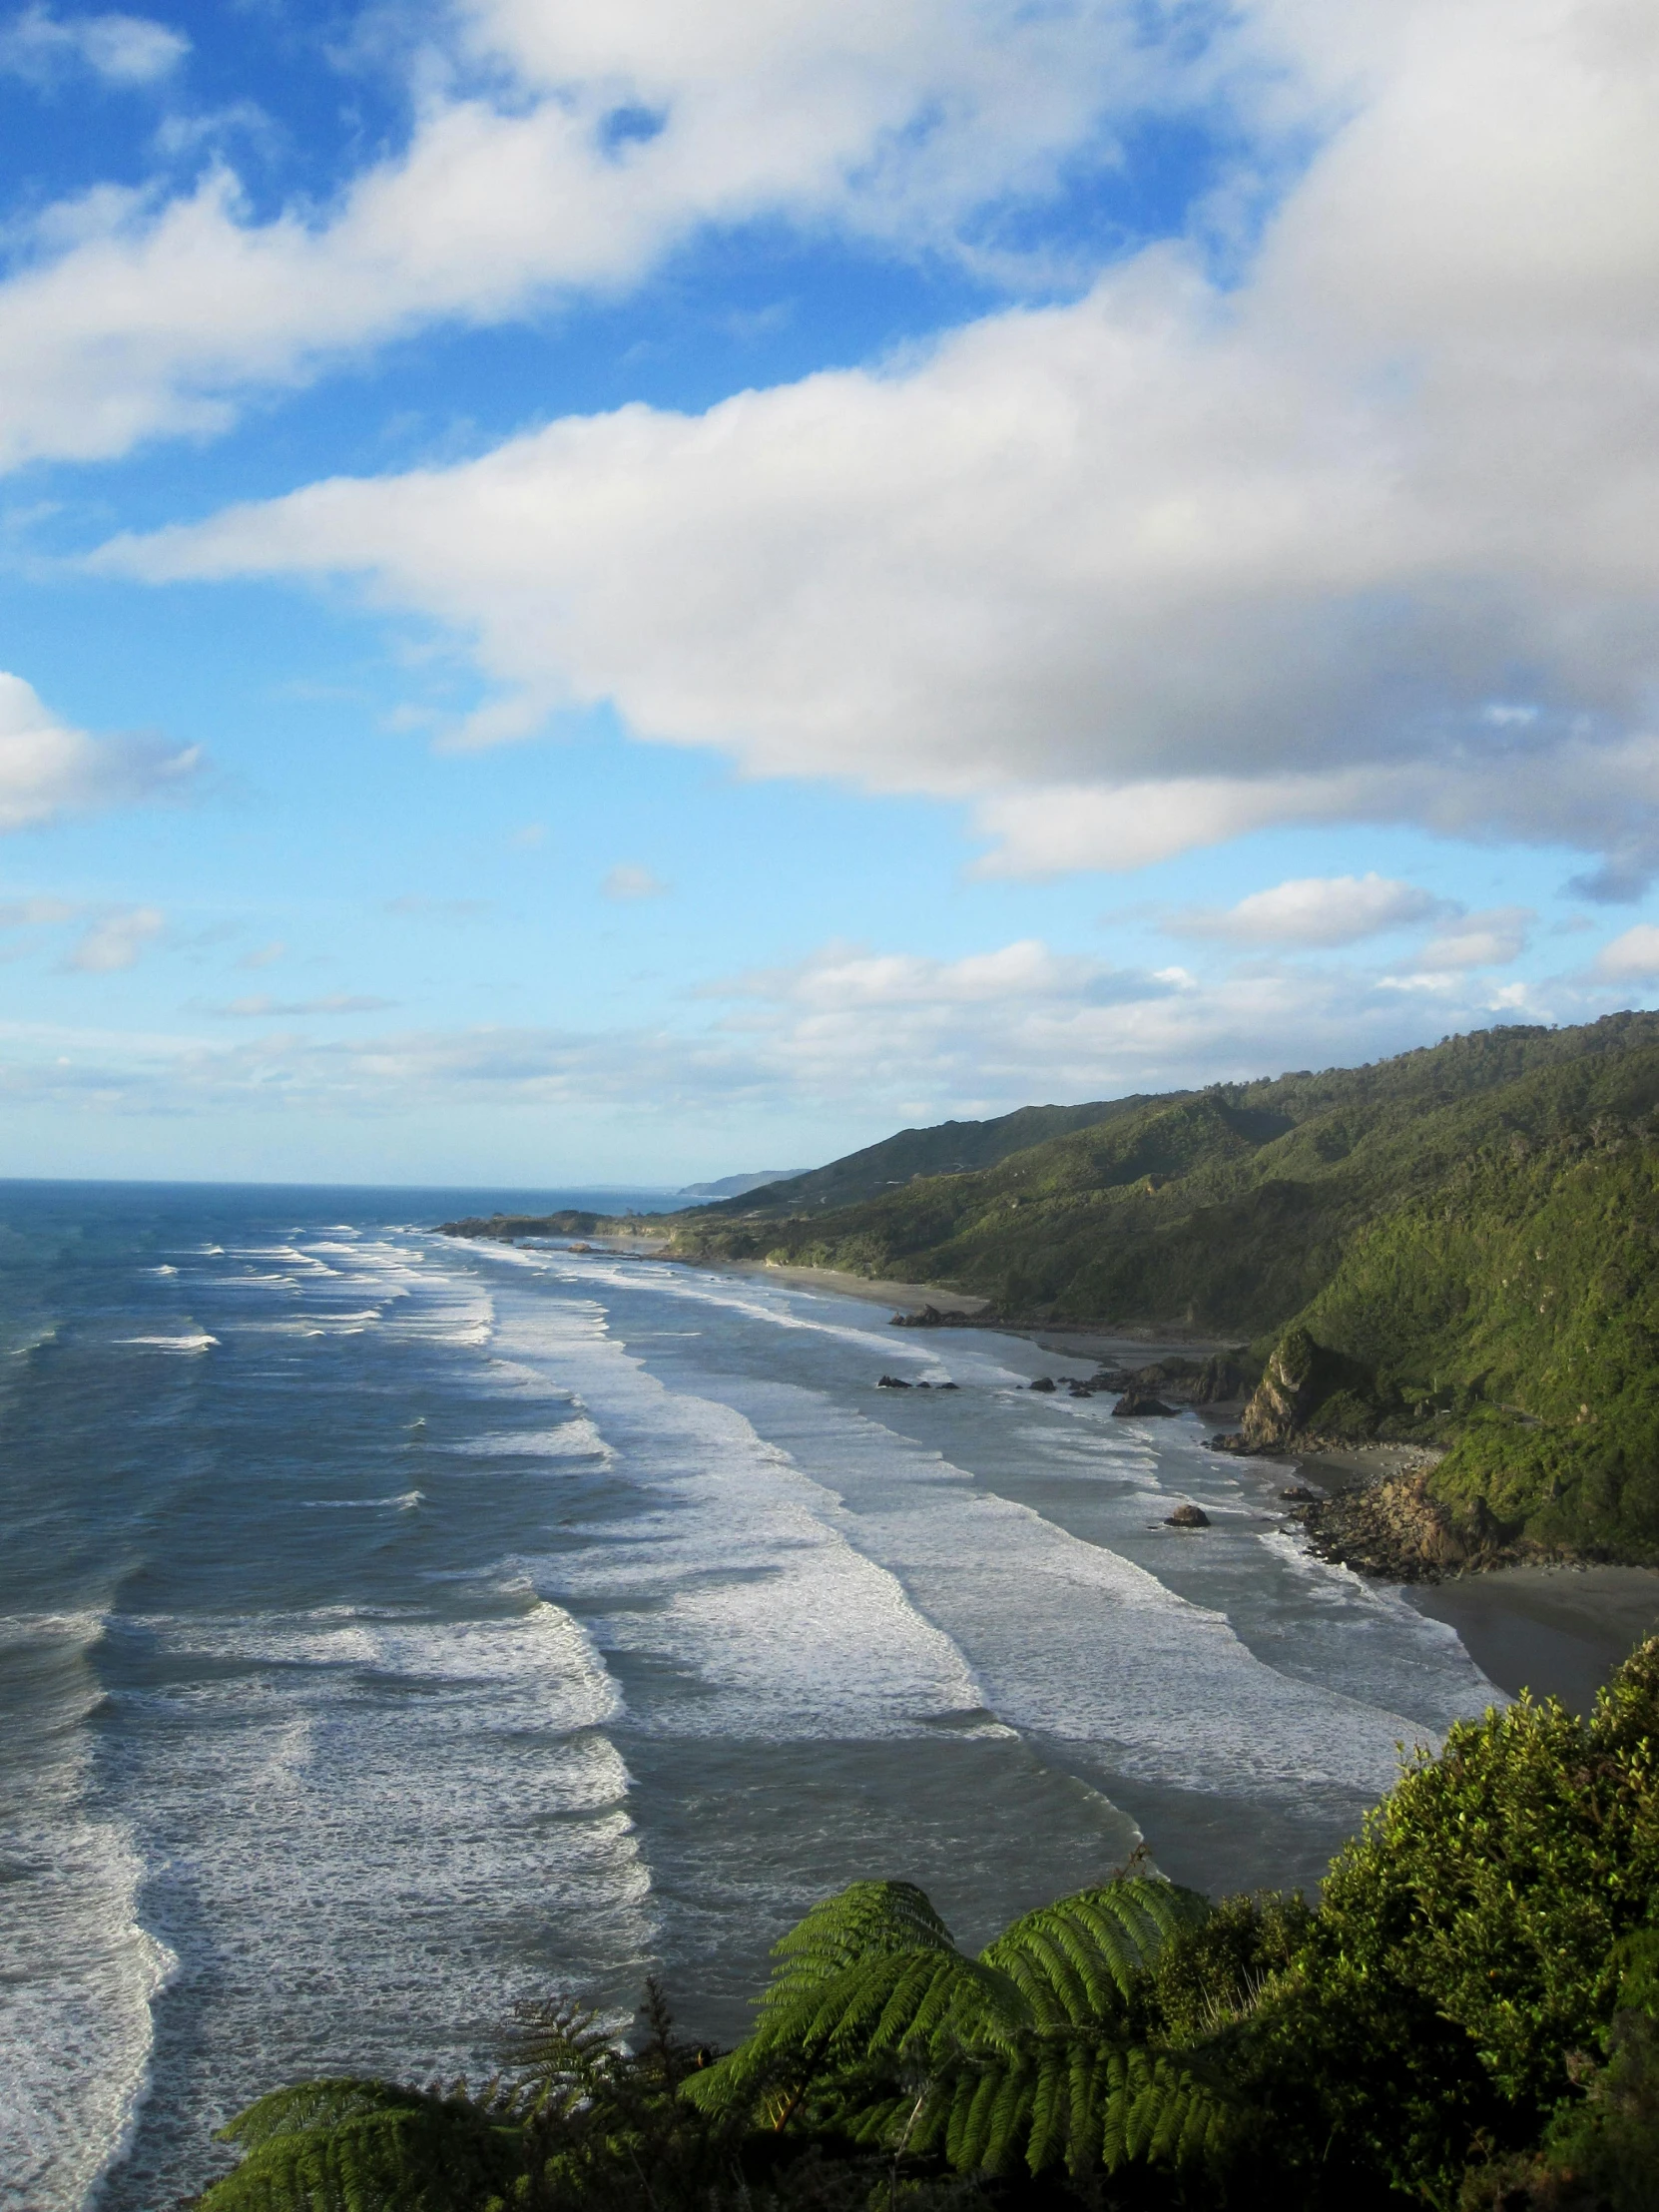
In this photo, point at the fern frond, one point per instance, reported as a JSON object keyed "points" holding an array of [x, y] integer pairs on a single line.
{"points": [[864, 1919], [1075, 1960], [427, 2155], [316, 2104], [1159, 2110]]}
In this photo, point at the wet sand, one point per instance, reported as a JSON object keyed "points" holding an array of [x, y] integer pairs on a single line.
{"points": [[1557, 1631]]}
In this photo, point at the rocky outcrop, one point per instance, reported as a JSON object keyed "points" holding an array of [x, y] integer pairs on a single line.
{"points": [[1287, 1393], [1308, 1394], [507, 1227], [1212, 1381], [1188, 1516], [1141, 1405], [1397, 1531]]}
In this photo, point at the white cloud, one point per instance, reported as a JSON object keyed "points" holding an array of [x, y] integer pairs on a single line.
{"points": [[626, 881], [260, 1007], [1489, 940], [1172, 563], [848, 1031], [117, 941], [122, 49], [1314, 910], [1632, 958], [48, 770], [135, 315], [264, 955]]}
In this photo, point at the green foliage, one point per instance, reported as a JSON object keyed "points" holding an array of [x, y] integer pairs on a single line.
{"points": [[876, 2025], [1471, 2013], [1602, 2153]]}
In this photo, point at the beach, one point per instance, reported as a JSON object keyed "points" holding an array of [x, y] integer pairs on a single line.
{"points": [[1557, 1631]]}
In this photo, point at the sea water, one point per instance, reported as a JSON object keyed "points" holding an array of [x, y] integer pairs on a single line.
{"points": [[393, 1627]]}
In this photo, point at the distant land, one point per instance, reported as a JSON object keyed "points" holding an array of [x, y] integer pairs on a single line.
{"points": [[1457, 1249], [738, 1185]]}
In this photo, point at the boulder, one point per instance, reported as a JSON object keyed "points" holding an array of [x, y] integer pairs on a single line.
{"points": [[1141, 1405], [1188, 1516], [1042, 1382], [893, 1382]]}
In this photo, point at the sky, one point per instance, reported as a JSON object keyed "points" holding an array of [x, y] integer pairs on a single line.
{"points": [[635, 590]]}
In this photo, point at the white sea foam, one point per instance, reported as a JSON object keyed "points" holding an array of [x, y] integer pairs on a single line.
{"points": [[406, 1502], [197, 1340], [350, 1802], [75, 2031], [573, 1440], [731, 1571]]}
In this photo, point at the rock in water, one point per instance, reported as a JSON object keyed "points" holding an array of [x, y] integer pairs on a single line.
{"points": [[1042, 1382], [893, 1382], [1188, 1516], [1138, 1404]]}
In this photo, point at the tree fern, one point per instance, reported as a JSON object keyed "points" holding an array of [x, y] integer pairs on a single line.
{"points": [[874, 2022], [365, 2146]]}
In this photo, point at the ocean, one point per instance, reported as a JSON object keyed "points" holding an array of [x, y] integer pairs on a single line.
{"points": [[391, 1628]]}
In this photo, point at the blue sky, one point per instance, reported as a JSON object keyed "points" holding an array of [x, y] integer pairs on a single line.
{"points": [[608, 590]]}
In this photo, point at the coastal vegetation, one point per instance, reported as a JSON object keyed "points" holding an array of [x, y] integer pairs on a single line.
{"points": [[1467, 2018]]}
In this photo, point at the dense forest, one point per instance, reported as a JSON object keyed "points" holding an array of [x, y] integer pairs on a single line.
{"points": [[1468, 2018]]}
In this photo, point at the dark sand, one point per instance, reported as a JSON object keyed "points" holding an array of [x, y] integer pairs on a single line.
{"points": [[1557, 1631]]}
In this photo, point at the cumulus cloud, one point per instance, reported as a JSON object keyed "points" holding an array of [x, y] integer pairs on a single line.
{"points": [[122, 49], [1489, 940], [48, 770], [117, 941], [618, 131], [1312, 910], [626, 881], [1369, 535], [1632, 958]]}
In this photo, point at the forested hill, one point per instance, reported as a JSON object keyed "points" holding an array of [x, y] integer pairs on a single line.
{"points": [[952, 1148], [1225, 1210], [1459, 1246]]}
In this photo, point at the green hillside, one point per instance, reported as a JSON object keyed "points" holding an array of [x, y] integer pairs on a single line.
{"points": [[1226, 1210], [951, 1148], [1459, 1246]]}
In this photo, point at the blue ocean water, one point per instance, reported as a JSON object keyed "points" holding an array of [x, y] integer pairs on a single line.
{"points": [[391, 1627]]}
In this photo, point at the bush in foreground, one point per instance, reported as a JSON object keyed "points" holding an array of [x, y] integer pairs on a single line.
{"points": [[1470, 2015]]}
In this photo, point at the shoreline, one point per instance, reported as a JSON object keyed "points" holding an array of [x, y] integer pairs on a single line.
{"points": [[1556, 1629], [1067, 1340]]}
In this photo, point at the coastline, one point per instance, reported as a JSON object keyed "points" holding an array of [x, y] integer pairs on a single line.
{"points": [[1557, 1629], [1065, 1339]]}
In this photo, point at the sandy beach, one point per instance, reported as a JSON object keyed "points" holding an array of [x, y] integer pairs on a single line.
{"points": [[1557, 1631]]}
